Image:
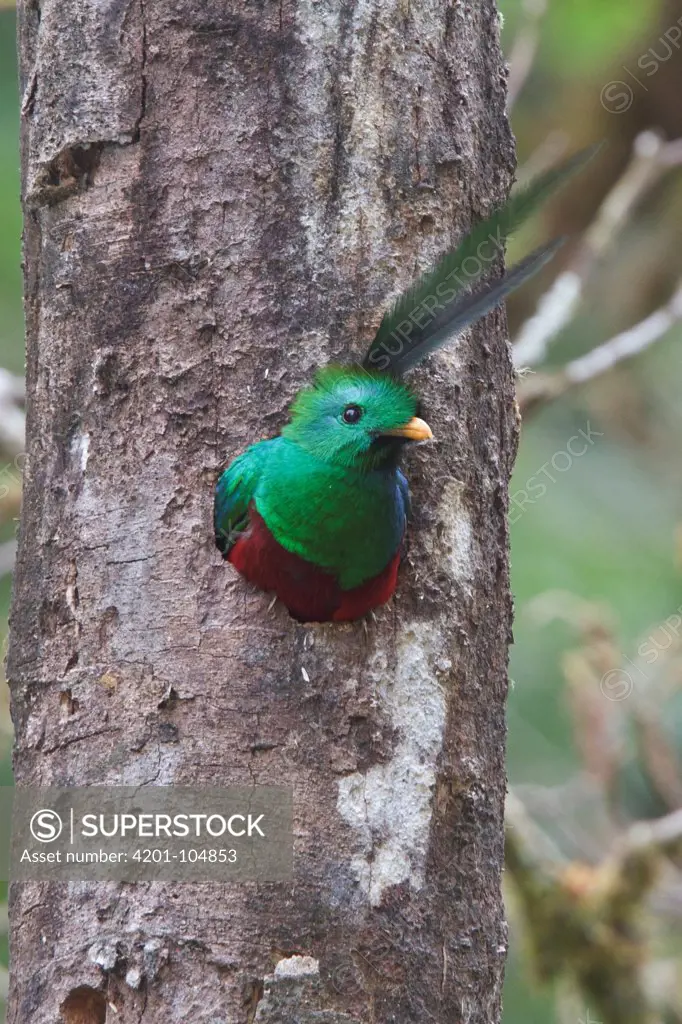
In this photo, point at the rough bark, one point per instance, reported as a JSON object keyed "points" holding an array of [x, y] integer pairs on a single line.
{"points": [[219, 197]]}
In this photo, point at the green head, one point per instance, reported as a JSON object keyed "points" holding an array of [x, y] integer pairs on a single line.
{"points": [[355, 417]]}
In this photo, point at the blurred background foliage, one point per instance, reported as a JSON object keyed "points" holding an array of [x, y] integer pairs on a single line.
{"points": [[595, 711]]}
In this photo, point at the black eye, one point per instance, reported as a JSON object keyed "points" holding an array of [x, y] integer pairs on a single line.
{"points": [[352, 413]]}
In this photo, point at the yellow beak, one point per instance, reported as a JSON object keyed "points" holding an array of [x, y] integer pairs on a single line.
{"points": [[415, 430]]}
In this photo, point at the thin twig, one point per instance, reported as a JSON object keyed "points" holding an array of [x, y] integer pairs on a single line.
{"points": [[664, 834], [524, 49], [8, 551], [651, 158], [12, 419], [626, 344], [551, 150], [544, 388], [516, 817]]}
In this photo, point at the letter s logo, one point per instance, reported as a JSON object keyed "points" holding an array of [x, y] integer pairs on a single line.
{"points": [[46, 826]]}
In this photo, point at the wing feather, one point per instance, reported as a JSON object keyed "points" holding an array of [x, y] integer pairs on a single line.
{"points": [[234, 493]]}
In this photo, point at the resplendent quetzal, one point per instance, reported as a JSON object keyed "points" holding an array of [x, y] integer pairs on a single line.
{"points": [[318, 514]]}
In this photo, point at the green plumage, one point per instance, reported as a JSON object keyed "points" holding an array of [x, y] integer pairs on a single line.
{"points": [[318, 514], [327, 492]]}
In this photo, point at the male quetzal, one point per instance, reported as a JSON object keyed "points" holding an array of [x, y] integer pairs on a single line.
{"points": [[318, 514]]}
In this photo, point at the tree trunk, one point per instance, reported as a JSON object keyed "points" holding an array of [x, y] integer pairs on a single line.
{"points": [[220, 197]]}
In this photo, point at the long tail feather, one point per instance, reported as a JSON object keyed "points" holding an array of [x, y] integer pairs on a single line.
{"points": [[435, 304], [471, 307]]}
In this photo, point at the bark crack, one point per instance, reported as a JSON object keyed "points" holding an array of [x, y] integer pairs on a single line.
{"points": [[64, 743]]}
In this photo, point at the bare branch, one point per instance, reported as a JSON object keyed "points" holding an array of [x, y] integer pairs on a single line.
{"points": [[629, 343], [557, 307], [664, 834], [8, 552], [12, 419], [524, 49], [516, 817], [551, 151]]}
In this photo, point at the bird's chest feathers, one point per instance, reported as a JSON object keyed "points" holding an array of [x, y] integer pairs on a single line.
{"points": [[348, 522]]}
